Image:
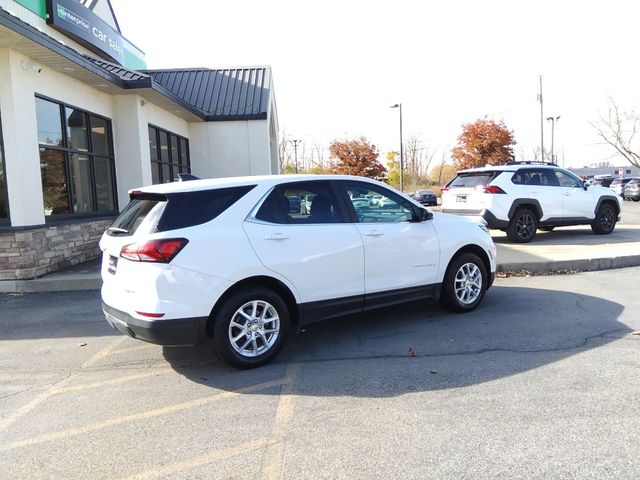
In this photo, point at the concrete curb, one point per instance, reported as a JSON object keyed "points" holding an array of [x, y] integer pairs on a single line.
{"points": [[61, 282], [581, 265]]}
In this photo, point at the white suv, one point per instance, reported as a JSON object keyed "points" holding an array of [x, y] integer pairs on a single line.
{"points": [[229, 259], [521, 197]]}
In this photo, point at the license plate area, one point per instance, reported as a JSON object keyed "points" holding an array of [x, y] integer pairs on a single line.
{"points": [[461, 198], [113, 264]]}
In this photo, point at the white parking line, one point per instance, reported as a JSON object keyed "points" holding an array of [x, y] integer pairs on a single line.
{"points": [[104, 352], [156, 412], [202, 460], [273, 463]]}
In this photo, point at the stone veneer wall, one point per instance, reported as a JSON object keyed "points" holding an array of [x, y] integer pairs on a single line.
{"points": [[26, 254]]}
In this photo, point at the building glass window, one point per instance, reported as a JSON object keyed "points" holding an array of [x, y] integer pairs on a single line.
{"points": [[4, 204], [76, 160], [169, 155]]}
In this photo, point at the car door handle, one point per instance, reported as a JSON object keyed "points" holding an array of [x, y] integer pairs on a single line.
{"points": [[374, 233], [276, 236], [566, 194]]}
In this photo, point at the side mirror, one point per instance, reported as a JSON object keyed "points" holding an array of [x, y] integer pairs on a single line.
{"points": [[585, 185], [424, 214]]}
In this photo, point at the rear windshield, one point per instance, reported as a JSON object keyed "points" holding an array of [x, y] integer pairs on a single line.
{"points": [[142, 213], [472, 180], [158, 213]]}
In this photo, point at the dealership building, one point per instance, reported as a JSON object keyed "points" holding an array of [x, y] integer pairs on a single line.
{"points": [[82, 121]]}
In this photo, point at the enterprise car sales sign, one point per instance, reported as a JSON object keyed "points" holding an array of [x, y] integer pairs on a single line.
{"points": [[84, 26]]}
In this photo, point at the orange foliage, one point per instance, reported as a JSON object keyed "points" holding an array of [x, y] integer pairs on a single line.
{"points": [[483, 142], [356, 157]]}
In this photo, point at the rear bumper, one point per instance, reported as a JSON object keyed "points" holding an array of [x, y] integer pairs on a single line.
{"points": [[632, 193], [174, 332], [490, 219]]}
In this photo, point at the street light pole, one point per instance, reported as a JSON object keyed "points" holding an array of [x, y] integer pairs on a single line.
{"points": [[295, 151], [553, 129], [399, 105], [541, 123]]}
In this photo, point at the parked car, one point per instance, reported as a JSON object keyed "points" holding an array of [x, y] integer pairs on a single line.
{"points": [[305, 205], [225, 259], [295, 203], [360, 202], [425, 197], [632, 190], [618, 185], [522, 197], [602, 180]]}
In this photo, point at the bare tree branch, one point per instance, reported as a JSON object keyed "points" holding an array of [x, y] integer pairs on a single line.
{"points": [[618, 130]]}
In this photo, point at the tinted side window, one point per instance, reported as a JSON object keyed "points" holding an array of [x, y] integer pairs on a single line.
{"points": [[187, 209], [273, 209], [567, 180], [374, 204], [301, 203], [534, 177]]}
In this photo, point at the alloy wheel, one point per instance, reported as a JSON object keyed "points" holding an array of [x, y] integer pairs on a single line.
{"points": [[254, 328], [607, 219], [525, 226], [468, 283]]}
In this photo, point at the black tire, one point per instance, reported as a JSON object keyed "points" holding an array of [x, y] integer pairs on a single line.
{"points": [[251, 327], [546, 229], [466, 274], [523, 225], [605, 220], [635, 199]]}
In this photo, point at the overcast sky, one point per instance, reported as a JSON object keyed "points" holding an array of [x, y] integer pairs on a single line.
{"points": [[339, 65]]}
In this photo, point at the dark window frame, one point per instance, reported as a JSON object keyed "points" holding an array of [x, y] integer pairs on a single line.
{"points": [[68, 152], [343, 186], [175, 166], [579, 184], [342, 212], [3, 164], [542, 172]]}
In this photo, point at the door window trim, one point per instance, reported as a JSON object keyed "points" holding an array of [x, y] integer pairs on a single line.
{"points": [[399, 199], [341, 209]]}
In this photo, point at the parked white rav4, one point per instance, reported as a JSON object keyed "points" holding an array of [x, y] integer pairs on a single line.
{"points": [[227, 259], [521, 197]]}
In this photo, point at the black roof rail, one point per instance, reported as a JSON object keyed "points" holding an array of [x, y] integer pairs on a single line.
{"points": [[185, 177], [531, 162]]}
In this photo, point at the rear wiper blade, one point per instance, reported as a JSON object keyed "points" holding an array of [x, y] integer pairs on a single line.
{"points": [[117, 230]]}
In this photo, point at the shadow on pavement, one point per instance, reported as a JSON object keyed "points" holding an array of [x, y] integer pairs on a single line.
{"points": [[52, 315], [582, 235], [423, 347]]}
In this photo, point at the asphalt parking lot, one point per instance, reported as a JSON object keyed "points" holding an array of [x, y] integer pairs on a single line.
{"points": [[540, 382]]}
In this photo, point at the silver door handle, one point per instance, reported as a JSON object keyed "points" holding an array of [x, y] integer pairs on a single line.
{"points": [[374, 233], [276, 236], [566, 194]]}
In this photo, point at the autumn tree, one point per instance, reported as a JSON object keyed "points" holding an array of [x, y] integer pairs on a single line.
{"points": [[483, 142], [393, 167], [356, 157], [618, 130]]}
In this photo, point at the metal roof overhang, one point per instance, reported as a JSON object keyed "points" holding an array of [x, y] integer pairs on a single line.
{"points": [[47, 51]]}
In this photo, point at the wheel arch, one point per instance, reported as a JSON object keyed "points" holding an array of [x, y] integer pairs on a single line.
{"points": [[607, 199], [257, 281], [477, 250], [531, 203]]}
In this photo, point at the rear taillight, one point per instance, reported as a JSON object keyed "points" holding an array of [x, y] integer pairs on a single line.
{"points": [[444, 189], [159, 251], [492, 189]]}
